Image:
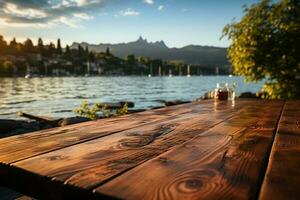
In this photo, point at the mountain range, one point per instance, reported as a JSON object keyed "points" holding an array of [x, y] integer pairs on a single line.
{"points": [[191, 54]]}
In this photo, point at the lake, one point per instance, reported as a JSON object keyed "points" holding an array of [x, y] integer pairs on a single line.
{"points": [[57, 97]]}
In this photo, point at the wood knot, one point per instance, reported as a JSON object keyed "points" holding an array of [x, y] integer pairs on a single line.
{"points": [[193, 183], [55, 158], [189, 185], [164, 160]]}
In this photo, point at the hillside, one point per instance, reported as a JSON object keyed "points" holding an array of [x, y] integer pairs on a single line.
{"points": [[191, 54]]}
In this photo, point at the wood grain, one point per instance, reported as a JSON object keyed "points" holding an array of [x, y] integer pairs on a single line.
{"points": [[282, 180], [199, 150], [24, 146], [91, 163], [224, 162]]}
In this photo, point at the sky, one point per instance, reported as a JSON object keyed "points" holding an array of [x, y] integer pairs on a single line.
{"points": [[177, 22]]}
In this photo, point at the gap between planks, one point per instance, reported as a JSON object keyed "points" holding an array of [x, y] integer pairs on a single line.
{"points": [[71, 135], [191, 170], [57, 158], [282, 180]]}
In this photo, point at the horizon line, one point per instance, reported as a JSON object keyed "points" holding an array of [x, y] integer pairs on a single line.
{"points": [[70, 43]]}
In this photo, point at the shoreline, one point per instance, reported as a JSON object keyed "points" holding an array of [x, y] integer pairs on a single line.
{"points": [[10, 127], [120, 75]]}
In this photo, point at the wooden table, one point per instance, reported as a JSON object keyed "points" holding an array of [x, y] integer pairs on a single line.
{"points": [[247, 149]]}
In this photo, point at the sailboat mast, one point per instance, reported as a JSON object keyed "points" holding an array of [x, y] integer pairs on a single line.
{"points": [[88, 67], [159, 71], [170, 72], [188, 71]]}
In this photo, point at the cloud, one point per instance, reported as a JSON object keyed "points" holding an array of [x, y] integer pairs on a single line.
{"points": [[68, 22], [160, 8], [45, 13], [83, 16], [129, 12], [12, 9], [150, 2]]}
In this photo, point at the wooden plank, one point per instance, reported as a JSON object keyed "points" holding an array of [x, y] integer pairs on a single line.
{"points": [[225, 162], [91, 163], [282, 180], [24, 146]]}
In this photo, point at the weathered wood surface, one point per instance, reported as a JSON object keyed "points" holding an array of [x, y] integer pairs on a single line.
{"points": [[38, 118], [208, 111], [224, 162], [282, 180], [24, 146], [89, 164], [201, 150]]}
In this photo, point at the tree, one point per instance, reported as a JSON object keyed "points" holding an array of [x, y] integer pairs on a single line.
{"points": [[86, 52], [140, 59], [13, 45], [130, 59], [58, 47], [107, 51], [8, 68], [91, 56], [265, 45], [68, 53], [50, 50], [13, 42], [40, 45], [28, 46], [2, 41], [3, 45], [80, 51]]}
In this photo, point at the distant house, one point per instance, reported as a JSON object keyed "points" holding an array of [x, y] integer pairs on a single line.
{"points": [[100, 70], [12, 58], [57, 61], [53, 61], [101, 61], [68, 63], [95, 67], [35, 57], [20, 59], [60, 72], [141, 65]]}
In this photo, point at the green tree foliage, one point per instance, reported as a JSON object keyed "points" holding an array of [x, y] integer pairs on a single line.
{"points": [[68, 53], [40, 46], [107, 51], [44, 59], [130, 59], [14, 47], [3, 44], [91, 57], [92, 111], [28, 46], [265, 44], [123, 110], [87, 50], [2, 41], [7, 67], [80, 50], [58, 47], [51, 50]]}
